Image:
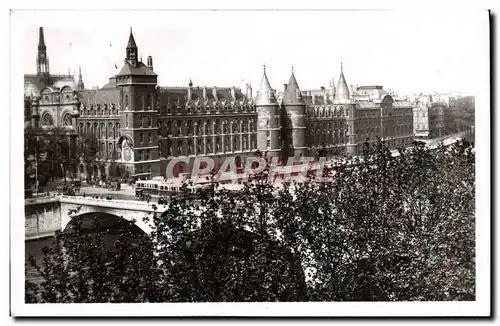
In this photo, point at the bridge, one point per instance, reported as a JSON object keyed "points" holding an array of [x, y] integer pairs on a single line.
{"points": [[46, 215]]}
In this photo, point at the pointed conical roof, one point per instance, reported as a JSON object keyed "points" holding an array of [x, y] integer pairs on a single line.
{"points": [[41, 39], [342, 92], [292, 92], [131, 41], [265, 95]]}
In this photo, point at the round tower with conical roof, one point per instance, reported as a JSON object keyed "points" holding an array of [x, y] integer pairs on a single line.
{"points": [[293, 120], [268, 116], [344, 102]]}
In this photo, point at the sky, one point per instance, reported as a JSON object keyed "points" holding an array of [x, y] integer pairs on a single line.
{"points": [[409, 52]]}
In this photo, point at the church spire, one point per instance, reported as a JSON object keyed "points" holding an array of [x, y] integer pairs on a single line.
{"points": [[80, 85], [41, 40], [42, 61]]}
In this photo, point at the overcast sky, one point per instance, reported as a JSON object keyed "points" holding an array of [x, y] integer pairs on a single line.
{"points": [[404, 51]]}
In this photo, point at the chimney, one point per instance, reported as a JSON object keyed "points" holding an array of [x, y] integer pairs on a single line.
{"points": [[204, 93], [189, 95], [214, 93], [150, 62], [249, 91], [233, 93]]}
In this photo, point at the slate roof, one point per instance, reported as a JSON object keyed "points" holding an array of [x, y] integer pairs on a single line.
{"points": [[140, 70], [102, 96], [290, 95]]}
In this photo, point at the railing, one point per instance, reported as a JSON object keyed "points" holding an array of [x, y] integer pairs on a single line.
{"points": [[126, 204]]}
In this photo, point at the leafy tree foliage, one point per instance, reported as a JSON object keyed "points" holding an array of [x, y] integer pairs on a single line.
{"points": [[50, 149], [383, 228]]}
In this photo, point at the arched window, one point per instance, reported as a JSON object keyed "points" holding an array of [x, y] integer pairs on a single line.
{"points": [[160, 149], [47, 119], [150, 121], [67, 120]]}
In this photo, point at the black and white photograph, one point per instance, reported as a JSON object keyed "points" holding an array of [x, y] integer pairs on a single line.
{"points": [[298, 162]]}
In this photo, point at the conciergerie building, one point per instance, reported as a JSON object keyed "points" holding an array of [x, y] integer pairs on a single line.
{"points": [[141, 126]]}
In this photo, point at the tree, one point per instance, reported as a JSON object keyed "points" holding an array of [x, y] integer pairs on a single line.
{"points": [[383, 228], [49, 152]]}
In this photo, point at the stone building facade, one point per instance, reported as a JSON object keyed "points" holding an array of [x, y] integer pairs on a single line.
{"points": [[140, 126], [433, 116]]}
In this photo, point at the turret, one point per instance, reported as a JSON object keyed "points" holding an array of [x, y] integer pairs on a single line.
{"points": [[293, 120], [268, 117], [343, 93], [342, 98]]}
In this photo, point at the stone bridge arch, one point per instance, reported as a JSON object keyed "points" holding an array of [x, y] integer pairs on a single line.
{"points": [[72, 207]]}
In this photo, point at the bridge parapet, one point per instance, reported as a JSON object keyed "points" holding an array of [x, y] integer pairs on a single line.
{"points": [[119, 204]]}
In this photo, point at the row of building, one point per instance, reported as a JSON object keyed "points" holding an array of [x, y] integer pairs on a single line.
{"points": [[139, 126]]}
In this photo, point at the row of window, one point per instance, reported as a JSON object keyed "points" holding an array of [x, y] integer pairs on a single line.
{"points": [[147, 101], [326, 112], [150, 138], [326, 138], [171, 109], [102, 130], [98, 111], [206, 127], [208, 145]]}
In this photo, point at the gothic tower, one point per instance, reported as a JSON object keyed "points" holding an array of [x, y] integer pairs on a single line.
{"points": [[268, 120], [138, 115], [293, 120], [343, 100], [42, 61]]}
